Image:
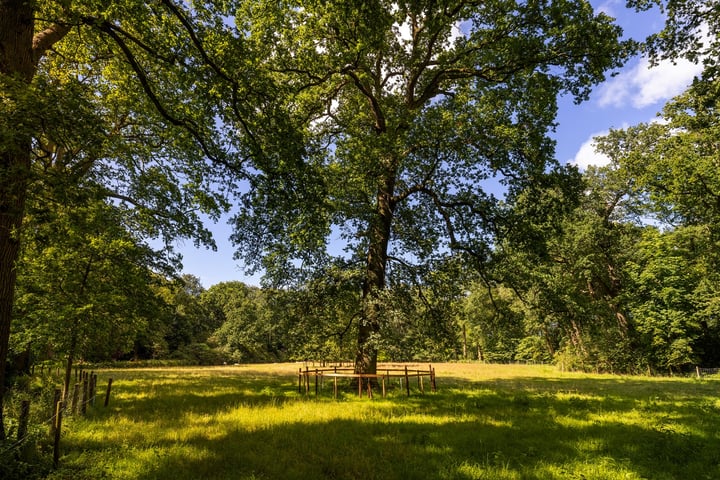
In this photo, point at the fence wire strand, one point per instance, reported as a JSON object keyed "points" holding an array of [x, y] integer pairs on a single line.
{"points": [[51, 420]]}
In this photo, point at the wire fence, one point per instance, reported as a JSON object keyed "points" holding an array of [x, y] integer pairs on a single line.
{"points": [[84, 395]]}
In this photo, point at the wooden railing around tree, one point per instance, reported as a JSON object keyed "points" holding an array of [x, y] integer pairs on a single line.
{"points": [[365, 381]]}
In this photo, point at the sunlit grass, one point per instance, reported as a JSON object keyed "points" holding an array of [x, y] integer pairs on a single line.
{"points": [[494, 422]]}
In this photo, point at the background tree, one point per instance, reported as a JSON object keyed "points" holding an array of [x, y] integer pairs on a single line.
{"points": [[84, 287], [661, 299], [244, 328], [673, 165], [319, 317], [494, 329], [406, 115], [186, 321], [609, 292], [572, 291], [674, 161], [419, 312]]}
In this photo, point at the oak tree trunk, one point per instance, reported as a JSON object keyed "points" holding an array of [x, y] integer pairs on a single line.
{"points": [[17, 67], [374, 282]]}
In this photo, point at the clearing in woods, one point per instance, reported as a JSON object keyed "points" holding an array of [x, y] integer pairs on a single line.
{"points": [[484, 422]]}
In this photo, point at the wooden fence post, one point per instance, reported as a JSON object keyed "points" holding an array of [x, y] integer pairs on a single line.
{"points": [[23, 420], [93, 385], [75, 396], [58, 430], [84, 399], [107, 394], [407, 381], [56, 400]]}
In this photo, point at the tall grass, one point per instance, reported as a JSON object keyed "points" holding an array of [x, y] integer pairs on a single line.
{"points": [[485, 422]]}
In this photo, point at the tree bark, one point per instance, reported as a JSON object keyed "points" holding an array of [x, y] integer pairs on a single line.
{"points": [[20, 51], [12, 203], [17, 68], [374, 283], [68, 375], [464, 341]]}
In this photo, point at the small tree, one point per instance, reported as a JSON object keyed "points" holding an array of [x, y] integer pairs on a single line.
{"points": [[84, 288], [242, 323]]}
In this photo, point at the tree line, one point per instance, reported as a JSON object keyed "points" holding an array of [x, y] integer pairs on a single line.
{"points": [[381, 125]]}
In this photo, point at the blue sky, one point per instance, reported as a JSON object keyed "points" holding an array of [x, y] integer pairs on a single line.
{"points": [[634, 96]]}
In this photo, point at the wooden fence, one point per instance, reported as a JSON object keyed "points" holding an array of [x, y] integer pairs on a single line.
{"points": [[365, 381], [700, 371], [83, 394]]}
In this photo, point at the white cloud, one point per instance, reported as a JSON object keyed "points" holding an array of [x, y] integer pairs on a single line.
{"points": [[587, 155], [643, 86], [609, 7]]}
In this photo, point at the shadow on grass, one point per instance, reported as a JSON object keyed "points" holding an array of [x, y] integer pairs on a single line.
{"points": [[524, 428]]}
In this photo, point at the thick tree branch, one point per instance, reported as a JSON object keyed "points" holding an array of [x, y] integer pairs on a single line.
{"points": [[143, 45], [380, 125], [188, 124], [234, 85], [196, 41], [416, 283], [44, 40]]}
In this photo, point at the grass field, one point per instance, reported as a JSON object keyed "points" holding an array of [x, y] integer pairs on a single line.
{"points": [[484, 422]]}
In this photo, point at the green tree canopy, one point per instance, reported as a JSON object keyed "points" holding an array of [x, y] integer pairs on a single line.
{"points": [[692, 31], [673, 165], [243, 323], [84, 283], [122, 97], [405, 117], [675, 161]]}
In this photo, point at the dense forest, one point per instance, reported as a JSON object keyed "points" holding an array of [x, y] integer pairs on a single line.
{"points": [[123, 123]]}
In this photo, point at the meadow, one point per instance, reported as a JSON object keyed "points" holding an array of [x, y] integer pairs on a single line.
{"points": [[484, 422]]}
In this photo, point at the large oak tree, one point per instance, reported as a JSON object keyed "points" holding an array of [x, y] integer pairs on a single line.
{"points": [[403, 125]]}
